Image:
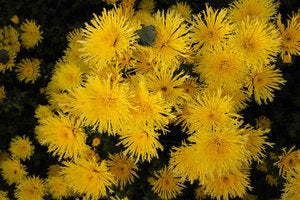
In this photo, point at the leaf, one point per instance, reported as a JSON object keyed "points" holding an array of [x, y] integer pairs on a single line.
{"points": [[147, 35]]}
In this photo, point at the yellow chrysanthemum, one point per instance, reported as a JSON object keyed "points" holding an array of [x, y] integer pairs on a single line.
{"points": [[172, 40], [123, 169], [88, 177], [208, 111], [257, 41], [150, 109], [21, 148], [220, 151], [141, 144], [265, 80], [166, 184], [255, 9], [31, 34], [96, 142], [290, 36], [43, 112], [291, 187], [12, 171], [63, 135], [57, 187], [272, 180], [288, 160], [15, 19], [9, 62], [32, 188], [146, 59], [11, 39], [29, 70], [103, 103], [147, 5], [263, 123], [74, 38], [231, 185], [163, 80], [183, 9], [53, 170], [67, 75], [199, 193], [2, 94], [262, 166], [257, 142], [183, 162], [210, 30], [112, 33], [3, 195], [222, 66]]}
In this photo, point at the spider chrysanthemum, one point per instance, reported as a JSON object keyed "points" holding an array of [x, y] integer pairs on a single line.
{"points": [[291, 187], [123, 169], [31, 34], [265, 80], [263, 123], [21, 147], [103, 103], [166, 184], [108, 36], [57, 187], [32, 188], [3, 195], [210, 29], [288, 160], [28, 70], [12, 171], [88, 177], [63, 135]]}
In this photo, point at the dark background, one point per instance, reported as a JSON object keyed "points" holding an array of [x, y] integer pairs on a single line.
{"points": [[59, 17]]}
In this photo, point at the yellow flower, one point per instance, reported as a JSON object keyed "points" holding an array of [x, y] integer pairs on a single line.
{"points": [[163, 80], [9, 59], [288, 161], [210, 30], [11, 39], [31, 34], [12, 171], [172, 40], [96, 142], [32, 188], [230, 185], [262, 10], [112, 33], [265, 80], [208, 111], [199, 193], [74, 38], [57, 187], [263, 123], [123, 169], [166, 184], [88, 177], [43, 112], [262, 166], [21, 148], [291, 187], [146, 59], [15, 19], [140, 144], [256, 143], [147, 5], [53, 170], [103, 103], [220, 151], [290, 36], [63, 135], [183, 9], [2, 94], [29, 70], [3, 195], [257, 41]]}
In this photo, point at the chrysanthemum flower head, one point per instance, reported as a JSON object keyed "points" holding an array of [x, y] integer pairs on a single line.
{"points": [[57, 187], [11, 39], [288, 161], [263, 123], [87, 177], [7, 60], [3, 195], [31, 34], [141, 144], [29, 70], [123, 169], [42, 112], [166, 184], [112, 33], [12, 171], [210, 29], [63, 135], [102, 103], [291, 187], [147, 5], [262, 10], [21, 148], [265, 80], [230, 185], [30, 188], [183, 9], [15, 19], [257, 41]]}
